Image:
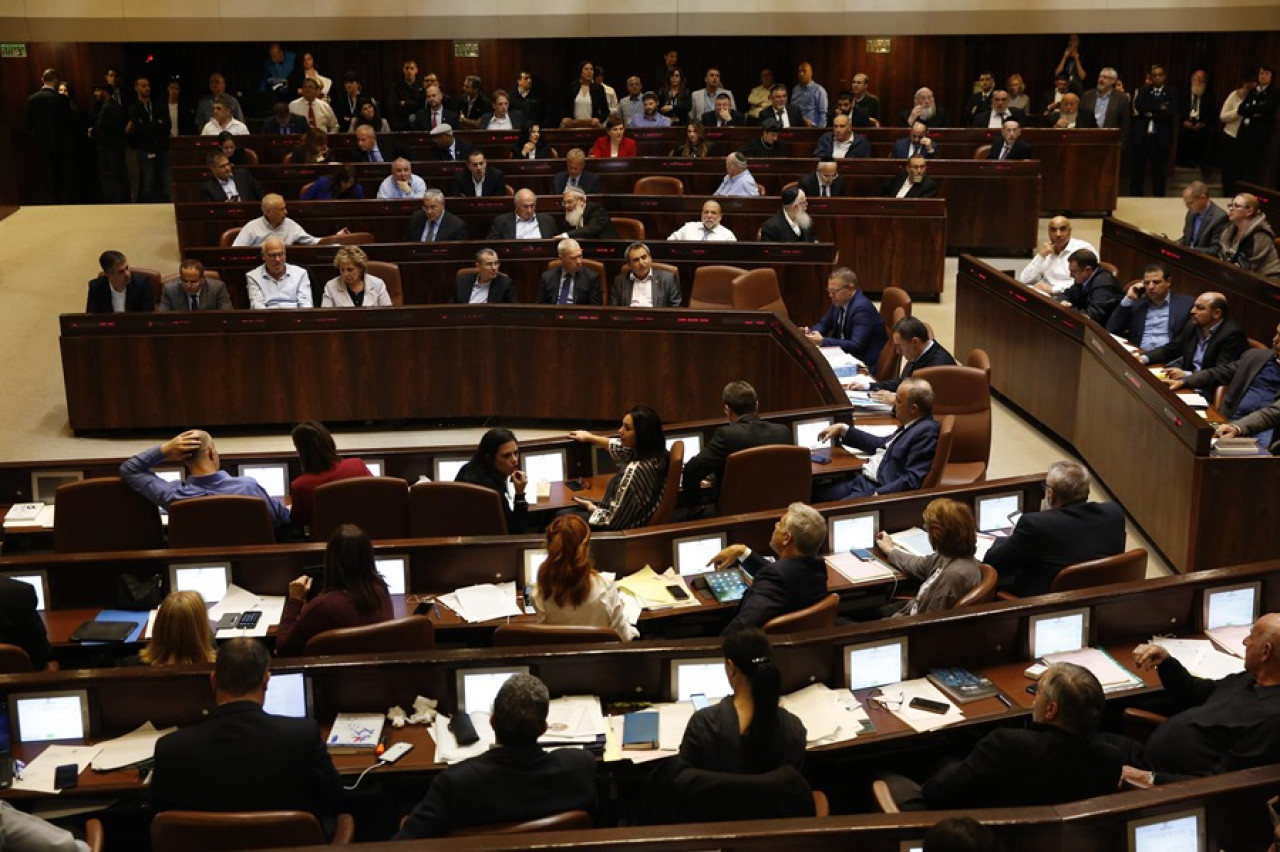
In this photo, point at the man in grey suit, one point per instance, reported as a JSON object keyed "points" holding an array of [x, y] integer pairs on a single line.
{"points": [[642, 286], [1205, 220], [1104, 106], [525, 223], [193, 291], [573, 283]]}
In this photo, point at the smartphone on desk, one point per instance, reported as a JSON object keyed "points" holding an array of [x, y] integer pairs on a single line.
{"points": [[678, 592]]}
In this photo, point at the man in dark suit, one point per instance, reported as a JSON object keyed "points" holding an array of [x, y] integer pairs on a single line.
{"points": [[982, 99], [240, 758], [795, 580], [525, 222], [584, 220], [1253, 382], [1205, 220], [902, 460], [479, 178], [1156, 106], [516, 782], [193, 291], [912, 342], [488, 286], [642, 286], [573, 283], [999, 113], [841, 142], [1149, 316], [20, 622], [1069, 529], [371, 149], [913, 183], [445, 147], [1010, 147], [787, 115], [925, 110], [503, 116], [852, 322], [1211, 339], [56, 131], [916, 143], [229, 184], [1056, 759], [1198, 117], [433, 223], [791, 224], [1096, 291], [824, 182], [284, 123], [1258, 114], [118, 289], [724, 115], [435, 114], [575, 174], [745, 430]]}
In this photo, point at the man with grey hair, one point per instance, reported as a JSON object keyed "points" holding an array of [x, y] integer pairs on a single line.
{"points": [[639, 285], [432, 223], [517, 781], [275, 222], [574, 283], [925, 110], [1205, 222], [1057, 758], [575, 174], [1105, 105], [737, 178], [487, 285], [745, 430], [795, 580], [902, 460], [584, 220], [277, 283], [1067, 529], [402, 182], [524, 222]]}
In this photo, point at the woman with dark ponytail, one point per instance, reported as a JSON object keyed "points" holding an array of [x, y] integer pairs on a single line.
{"points": [[747, 732]]}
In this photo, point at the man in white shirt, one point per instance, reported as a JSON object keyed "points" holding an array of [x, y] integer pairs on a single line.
{"points": [[277, 284], [217, 88], [402, 182], [223, 120], [274, 222], [704, 100], [708, 229], [737, 178], [642, 286], [315, 111], [1048, 271]]}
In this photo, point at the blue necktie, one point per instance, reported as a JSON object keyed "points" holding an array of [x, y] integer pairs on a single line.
{"points": [[1195, 228], [565, 284]]}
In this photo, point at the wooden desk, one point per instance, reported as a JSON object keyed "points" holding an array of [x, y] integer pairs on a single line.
{"points": [[1145, 445]]}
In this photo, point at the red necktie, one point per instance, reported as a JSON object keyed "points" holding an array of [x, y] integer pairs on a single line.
{"points": [[311, 113]]}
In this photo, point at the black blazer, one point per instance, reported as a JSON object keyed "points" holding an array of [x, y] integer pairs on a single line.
{"points": [[927, 188], [935, 356], [390, 150], [809, 183], [599, 101], [1097, 297], [1043, 543], [710, 119], [297, 125], [500, 289], [461, 148], [1211, 227], [778, 588], [1237, 375], [20, 623], [1227, 344], [586, 287], [246, 184], [422, 119], [596, 225], [450, 227], [983, 117], [1129, 321], [138, 297], [1159, 109], [242, 759], [793, 115], [1020, 151], [587, 182], [504, 227], [493, 183], [776, 230], [749, 431]]}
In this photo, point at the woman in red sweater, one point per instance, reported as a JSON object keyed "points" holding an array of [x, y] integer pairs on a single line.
{"points": [[614, 142], [320, 464]]}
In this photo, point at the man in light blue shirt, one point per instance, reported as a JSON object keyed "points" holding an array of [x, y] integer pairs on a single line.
{"points": [[738, 179], [809, 97], [277, 283], [402, 182], [649, 115]]}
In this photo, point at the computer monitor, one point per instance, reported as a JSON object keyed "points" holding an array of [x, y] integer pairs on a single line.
{"points": [[210, 579], [38, 580], [1058, 632], [445, 468], [807, 431], [394, 568], [692, 444], [998, 511], [288, 694], [273, 477], [544, 466], [1231, 606], [531, 560], [1180, 831], [170, 474], [47, 716], [478, 687], [853, 532], [916, 845], [872, 664], [691, 554], [375, 466], [705, 676], [45, 483]]}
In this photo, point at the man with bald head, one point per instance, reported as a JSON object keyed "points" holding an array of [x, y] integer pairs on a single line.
{"points": [[841, 142], [402, 182], [205, 478], [925, 110], [525, 222], [275, 222], [1227, 724], [277, 284], [1210, 339], [707, 229], [1049, 271]]}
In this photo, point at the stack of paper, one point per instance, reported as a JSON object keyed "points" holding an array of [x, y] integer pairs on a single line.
{"points": [[484, 602], [1200, 658], [134, 747], [574, 719], [650, 589], [1192, 399], [862, 401], [842, 363], [38, 774], [241, 600], [829, 715], [920, 720], [984, 544], [857, 570], [447, 748], [1230, 639], [914, 541], [29, 515], [1109, 673]]}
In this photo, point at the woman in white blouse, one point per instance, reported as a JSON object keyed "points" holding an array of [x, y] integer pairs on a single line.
{"points": [[309, 71], [354, 287], [569, 589]]}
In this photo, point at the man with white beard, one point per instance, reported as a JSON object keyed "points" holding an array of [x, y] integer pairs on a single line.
{"points": [[1195, 135], [584, 220], [925, 111], [791, 224]]}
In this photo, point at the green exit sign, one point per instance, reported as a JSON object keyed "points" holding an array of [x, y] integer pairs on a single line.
{"points": [[13, 51], [466, 49]]}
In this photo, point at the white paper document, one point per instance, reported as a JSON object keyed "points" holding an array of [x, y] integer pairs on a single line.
{"points": [[672, 720], [857, 570], [1109, 673], [574, 719], [829, 715], [919, 720], [38, 776], [1201, 658], [447, 748], [483, 602], [1230, 639], [134, 747]]}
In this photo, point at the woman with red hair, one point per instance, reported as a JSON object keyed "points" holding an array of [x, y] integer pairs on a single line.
{"points": [[569, 589]]}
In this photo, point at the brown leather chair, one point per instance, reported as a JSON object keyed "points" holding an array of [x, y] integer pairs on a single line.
{"points": [[516, 633], [627, 228], [220, 521], [356, 238], [979, 359], [964, 392], [250, 156], [1110, 267], [94, 837], [1126, 567], [713, 287], [821, 807], [658, 185], [104, 514], [815, 617], [200, 831], [411, 633], [942, 453], [379, 505], [761, 478], [390, 275], [14, 660], [985, 591], [757, 290], [1218, 396], [891, 300], [671, 487], [454, 508], [228, 237], [890, 363], [884, 797], [787, 186], [981, 152], [564, 821]]}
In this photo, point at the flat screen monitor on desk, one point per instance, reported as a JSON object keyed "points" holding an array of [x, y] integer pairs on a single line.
{"points": [[477, 688], [544, 466], [532, 559], [45, 483], [446, 469], [1231, 606], [1058, 632], [998, 512], [807, 432], [705, 676], [395, 570], [872, 664], [1180, 831], [49, 716], [37, 580], [692, 553], [170, 474], [210, 579], [374, 465], [853, 532], [274, 478], [692, 444], [288, 694]]}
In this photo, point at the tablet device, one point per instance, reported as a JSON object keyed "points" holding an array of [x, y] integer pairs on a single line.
{"points": [[445, 469], [38, 580], [375, 466], [1058, 632], [210, 579], [1231, 606], [872, 664], [288, 694], [998, 512], [705, 676], [692, 444], [807, 431], [47, 716], [395, 570], [691, 554], [726, 586], [532, 559], [478, 687], [273, 477], [544, 466], [45, 483], [1180, 831], [853, 532]]}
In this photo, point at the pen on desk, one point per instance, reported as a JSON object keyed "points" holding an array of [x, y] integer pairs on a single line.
{"points": [[1006, 702], [435, 608]]}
